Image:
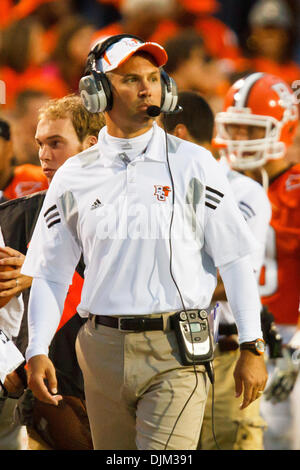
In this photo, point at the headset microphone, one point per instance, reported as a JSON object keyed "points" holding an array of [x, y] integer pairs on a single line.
{"points": [[154, 111]]}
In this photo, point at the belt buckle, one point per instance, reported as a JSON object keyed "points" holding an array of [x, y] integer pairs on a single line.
{"points": [[120, 320]]}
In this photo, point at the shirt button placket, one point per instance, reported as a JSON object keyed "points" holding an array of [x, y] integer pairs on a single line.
{"points": [[131, 178]]}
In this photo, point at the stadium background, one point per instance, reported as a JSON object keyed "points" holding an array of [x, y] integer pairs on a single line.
{"points": [[210, 43], [44, 44]]}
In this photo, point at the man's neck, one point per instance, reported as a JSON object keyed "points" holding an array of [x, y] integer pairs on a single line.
{"points": [[127, 132]]}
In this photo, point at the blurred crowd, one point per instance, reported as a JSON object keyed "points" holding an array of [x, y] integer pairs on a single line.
{"points": [[210, 43]]}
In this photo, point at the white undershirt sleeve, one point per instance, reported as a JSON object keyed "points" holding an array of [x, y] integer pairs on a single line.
{"points": [[242, 293], [45, 308]]}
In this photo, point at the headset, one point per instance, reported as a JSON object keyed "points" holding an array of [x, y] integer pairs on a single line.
{"points": [[95, 88]]}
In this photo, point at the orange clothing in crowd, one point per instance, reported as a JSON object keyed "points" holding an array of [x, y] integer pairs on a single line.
{"points": [[281, 274], [110, 30], [6, 8], [39, 78], [196, 6], [115, 3], [289, 72], [27, 179], [10, 11], [219, 40], [50, 37]]}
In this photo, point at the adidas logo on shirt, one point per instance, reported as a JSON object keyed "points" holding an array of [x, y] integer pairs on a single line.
{"points": [[96, 204], [213, 197], [52, 216]]}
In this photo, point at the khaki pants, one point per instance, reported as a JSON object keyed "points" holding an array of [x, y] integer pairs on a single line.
{"points": [[235, 429], [136, 388]]}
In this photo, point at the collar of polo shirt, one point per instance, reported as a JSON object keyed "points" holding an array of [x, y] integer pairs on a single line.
{"points": [[154, 152]]}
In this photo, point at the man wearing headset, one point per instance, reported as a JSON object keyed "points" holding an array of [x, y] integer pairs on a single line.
{"points": [[122, 204]]}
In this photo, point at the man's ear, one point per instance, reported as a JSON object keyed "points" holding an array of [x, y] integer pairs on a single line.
{"points": [[89, 141], [181, 132]]}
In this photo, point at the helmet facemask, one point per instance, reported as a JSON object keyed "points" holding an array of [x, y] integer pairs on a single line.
{"points": [[251, 152]]}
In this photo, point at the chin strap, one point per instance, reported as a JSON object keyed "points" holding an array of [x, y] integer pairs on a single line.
{"points": [[264, 179]]}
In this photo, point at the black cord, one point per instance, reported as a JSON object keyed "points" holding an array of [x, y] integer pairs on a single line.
{"points": [[208, 366], [213, 414], [178, 290]]}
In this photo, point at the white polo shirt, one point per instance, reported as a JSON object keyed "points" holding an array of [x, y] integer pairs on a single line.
{"points": [[114, 204], [255, 207]]}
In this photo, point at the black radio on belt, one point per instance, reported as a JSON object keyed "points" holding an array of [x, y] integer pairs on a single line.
{"points": [[193, 335]]}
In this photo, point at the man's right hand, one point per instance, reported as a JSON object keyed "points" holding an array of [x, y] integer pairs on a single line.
{"points": [[40, 368]]}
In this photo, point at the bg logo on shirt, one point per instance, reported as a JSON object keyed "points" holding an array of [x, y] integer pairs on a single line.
{"points": [[162, 192]]}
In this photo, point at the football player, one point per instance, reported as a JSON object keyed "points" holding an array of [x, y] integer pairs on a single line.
{"points": [[258, 124]]}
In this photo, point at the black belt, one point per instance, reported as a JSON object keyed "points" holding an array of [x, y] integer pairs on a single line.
{"points": [[227, 329], [225, 341], [130, 323]]}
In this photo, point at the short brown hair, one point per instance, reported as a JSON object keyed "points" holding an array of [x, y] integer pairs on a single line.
{"points": [[71, 106], [196, 115]]}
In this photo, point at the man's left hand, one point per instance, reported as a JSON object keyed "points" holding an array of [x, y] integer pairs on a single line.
{"points": [[250, 377]]}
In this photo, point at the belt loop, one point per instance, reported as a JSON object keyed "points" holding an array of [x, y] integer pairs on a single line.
{"points": [[166, 321], [93, 320]]}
